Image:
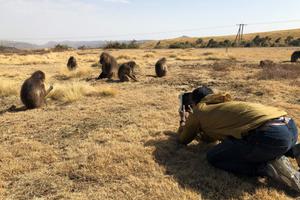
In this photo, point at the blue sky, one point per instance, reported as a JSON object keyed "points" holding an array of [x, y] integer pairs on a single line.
{"points": [[44, 20]]}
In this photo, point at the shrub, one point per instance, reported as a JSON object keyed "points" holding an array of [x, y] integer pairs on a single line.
{"points": [[257, 41], [212, 44], [122, 45], [133, 45], [227, 43], [288, 40], [6, 49], [83, 47], [295, 42], [181, 45], [61, 47], [261, 41], [115, 45], [250, 44], [199, 41], [278, 40]]}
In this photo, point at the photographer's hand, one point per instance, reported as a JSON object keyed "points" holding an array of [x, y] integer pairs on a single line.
{"points": [[190, 109], [182, 115]]}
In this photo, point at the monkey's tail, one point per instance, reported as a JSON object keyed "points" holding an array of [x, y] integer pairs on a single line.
{"points": [[10, 109], [13, 109]]}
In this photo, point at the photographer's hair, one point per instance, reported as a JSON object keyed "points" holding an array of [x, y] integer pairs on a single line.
{"points": [[201, 92]]}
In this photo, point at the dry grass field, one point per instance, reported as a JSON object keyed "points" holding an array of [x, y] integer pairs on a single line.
{"points": [[110, 140]]}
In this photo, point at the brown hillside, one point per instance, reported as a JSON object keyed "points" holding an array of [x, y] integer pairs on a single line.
{"points": [[274, 35]]}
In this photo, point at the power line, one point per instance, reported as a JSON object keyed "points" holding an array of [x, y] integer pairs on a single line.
{"points": [[274, 22]]}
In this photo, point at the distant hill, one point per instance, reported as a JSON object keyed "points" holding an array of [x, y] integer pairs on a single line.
{"points": [[52, 44], [76, 44], [18, 45], [273, 34], [73, 44], [4, 49], [295, 33]]}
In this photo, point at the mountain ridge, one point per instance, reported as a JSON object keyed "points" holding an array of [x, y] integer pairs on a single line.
{"points": [[148, 43]]}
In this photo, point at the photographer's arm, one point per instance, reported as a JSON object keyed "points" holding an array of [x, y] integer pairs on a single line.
{"points": [[187, 132], [190, 129]]}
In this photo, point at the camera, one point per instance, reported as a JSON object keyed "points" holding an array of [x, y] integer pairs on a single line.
{"points": [[185, 101]]}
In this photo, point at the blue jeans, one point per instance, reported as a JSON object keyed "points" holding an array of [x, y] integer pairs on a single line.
{"points": [[248, 155]]}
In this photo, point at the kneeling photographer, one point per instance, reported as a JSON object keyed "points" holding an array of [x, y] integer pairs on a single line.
{"points": [[254, 139]]}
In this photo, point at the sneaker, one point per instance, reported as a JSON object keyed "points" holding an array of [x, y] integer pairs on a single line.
{"points": [[296, 153], [282, 171]]}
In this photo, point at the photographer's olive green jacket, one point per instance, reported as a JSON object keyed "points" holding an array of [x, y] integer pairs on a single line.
{"points": [[220, 120]]}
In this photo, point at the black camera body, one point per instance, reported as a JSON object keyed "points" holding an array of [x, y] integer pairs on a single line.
{"points": [[185, 100]]}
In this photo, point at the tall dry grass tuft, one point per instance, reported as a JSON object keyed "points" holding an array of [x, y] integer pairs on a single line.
{"points": [[280, 71], [8, 87], [125, 57], [207, 54], [71, 92], [98, 65], [149, 55], [80, 72], [212, 58], [223, 66]]}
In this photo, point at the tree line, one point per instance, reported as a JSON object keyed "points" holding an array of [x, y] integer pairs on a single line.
{"points": [[257, 41]]}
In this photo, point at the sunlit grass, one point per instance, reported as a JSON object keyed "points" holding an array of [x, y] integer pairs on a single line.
{"points": [[73, 91], [8, 87]]}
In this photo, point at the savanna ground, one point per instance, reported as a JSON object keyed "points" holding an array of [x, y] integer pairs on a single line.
{"points": [[110, 140]]}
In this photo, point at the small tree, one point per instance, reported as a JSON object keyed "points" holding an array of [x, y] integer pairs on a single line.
{"points": [[212, 43], [157, 46], [257, 40], [181, 45], [199, 41], [61, 47], [82, 47], [295, 42], [288, 39], [227, 43], [278, 40], [133, 45], [266, 41], [117, 45], [250, 44]]}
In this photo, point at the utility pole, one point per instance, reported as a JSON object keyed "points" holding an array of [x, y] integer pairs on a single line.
{"points": [[240, 34]]}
